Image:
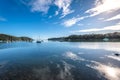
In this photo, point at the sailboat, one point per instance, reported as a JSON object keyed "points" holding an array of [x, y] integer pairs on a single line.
{"points": [[39, 41]]}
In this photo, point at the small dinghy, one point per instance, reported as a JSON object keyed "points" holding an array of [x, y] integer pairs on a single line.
{"points": [[117, 54]]}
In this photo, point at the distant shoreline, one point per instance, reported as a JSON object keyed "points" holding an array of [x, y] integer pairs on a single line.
{"points": [[84, 41], [9, 38], [108, 37]]}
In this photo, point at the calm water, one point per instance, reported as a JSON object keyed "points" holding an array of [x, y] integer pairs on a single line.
{"points": [[60, 61]]}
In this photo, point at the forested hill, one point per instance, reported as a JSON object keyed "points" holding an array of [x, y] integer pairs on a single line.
{"points": [[90, 37], [10, 38]]}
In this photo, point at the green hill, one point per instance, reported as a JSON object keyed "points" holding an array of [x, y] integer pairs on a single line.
{"points": [[10, 38], [90, 37]]}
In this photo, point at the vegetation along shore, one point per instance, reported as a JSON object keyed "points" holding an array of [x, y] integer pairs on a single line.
{"points": [[10, 38], [115, 37]]}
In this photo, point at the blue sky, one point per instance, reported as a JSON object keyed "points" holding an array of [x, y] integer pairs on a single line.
{"points": [[55, 18]]}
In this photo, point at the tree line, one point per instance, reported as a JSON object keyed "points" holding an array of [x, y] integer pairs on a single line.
{"points": [[90, 37], [10, 38]]}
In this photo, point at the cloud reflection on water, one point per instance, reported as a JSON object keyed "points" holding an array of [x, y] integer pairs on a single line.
{"points": [[108, 71], [102, 45], [3, 63], [114, 57], [73, 56], [42, 73], [65, 73], [45, 73]]}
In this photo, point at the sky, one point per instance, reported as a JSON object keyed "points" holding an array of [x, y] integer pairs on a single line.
{"points": [[57, 18]]}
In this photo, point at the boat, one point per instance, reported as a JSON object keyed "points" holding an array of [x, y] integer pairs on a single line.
{"points": [[117, 54], [39, 41]]}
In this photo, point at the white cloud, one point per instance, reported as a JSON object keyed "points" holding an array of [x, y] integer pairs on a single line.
{"points": [[70, 22], [56, 13], [44, 5], [118, 23], [100, 18], [108, 28], [65, 6], [79, 24], [73, 21], [50, 16], [114, 18], [104, 6], [41, 5], [98, 2], [2, 19]]}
